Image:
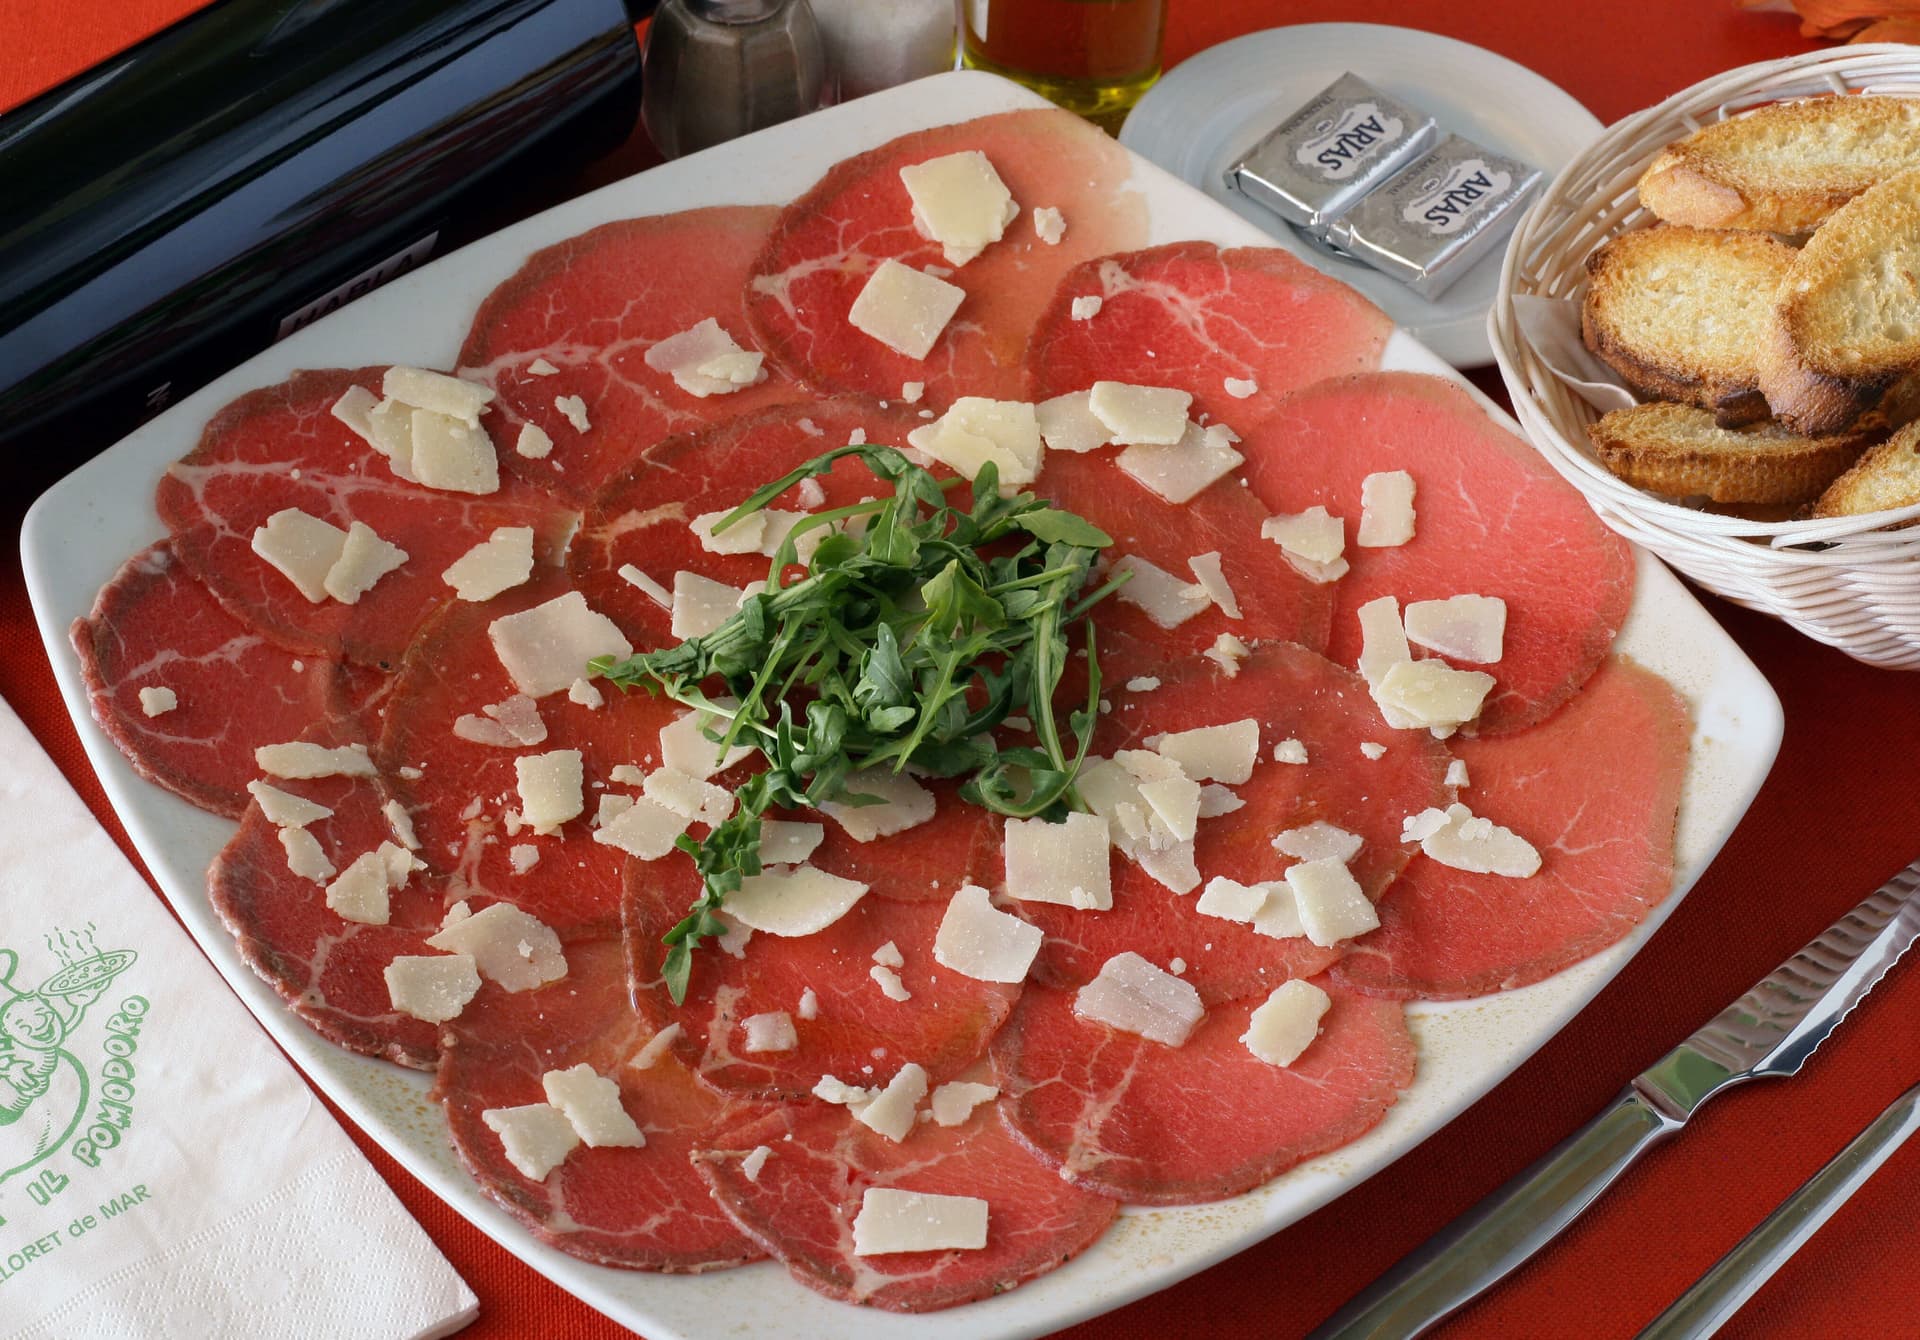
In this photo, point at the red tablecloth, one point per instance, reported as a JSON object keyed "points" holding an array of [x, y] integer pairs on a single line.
{"points": [[1837, 817]]}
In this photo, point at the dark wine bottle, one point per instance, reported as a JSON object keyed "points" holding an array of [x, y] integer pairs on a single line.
{"points": [[172, 211]]}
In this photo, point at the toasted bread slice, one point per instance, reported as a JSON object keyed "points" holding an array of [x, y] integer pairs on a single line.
{"points": [[1783, 168], [1888, 476], [1678, 451], [1847, 317], [1680, 314]]}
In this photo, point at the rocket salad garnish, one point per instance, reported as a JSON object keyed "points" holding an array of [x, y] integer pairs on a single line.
{"points": [[918, 627]]}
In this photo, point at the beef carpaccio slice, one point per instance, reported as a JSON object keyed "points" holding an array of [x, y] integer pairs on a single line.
{"points": [[155, 625], [826, 244], [1294, 695], [642, 1208], [1158, 1125], [279, 447], [802, 1204], [464, 792], [859, 1034], [642, 517], [1276, 602], [591, 307], [1193, 315], [1605, 836], [330, 971], [1491, 518]]}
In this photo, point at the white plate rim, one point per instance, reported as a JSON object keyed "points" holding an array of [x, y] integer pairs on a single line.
{"points": [[84, 526], [1160, 128]]}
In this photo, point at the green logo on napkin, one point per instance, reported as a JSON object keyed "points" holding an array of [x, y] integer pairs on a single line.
{"points": [[43, 1087]]}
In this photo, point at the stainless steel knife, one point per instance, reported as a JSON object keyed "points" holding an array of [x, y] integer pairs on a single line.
{"points": [[1770, 1031]]}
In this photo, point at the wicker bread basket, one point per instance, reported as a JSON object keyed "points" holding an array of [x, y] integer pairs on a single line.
{"points": [[1851, 582]]}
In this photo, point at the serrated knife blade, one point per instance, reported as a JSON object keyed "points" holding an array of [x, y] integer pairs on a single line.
{"points": [[1770, 1031]]}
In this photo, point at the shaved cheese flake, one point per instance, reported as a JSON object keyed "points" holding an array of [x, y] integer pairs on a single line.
{"points": [[299, 761], [512, 948], [546, 648], [1134, 996], [359, 893], [1386, 510], [978, 940], [483, 730], [305, 859], [953, 1102], [1314, 535], [1207, 572], [1218, 800], [453, 456], [704, 360], [574, 410], [533, 442], [1140, 415], [401, 823], [889, 981], [549, 786], [910, 392], [591, 1104], [889, 954], [1285, 1024], [1167, 600], [891, 1220], [742, 537], [1241, 387], [354, 408], [892, 1112], [1383, 645], [904, 804], [684, 745], [364, 559], [701, 604], [1086, 307], [831, 1090], [583, 693], [519, 716], [1479, 846], [1227, 652], [960, 202], [1066, 424], [657, 1046], [1372, 750], [786, 842], [644, 829], [302, 548], [1457, 773], [522, 857], [1049, 224], [809, 1006], [452, 397], [391, 425], [1178, 472], [756, 1160], [536, 1138], [1175, 802], [498, 563], [1331, 903], [1290, 751], [1318, 841], [1173, 866], [1231, 900], [905, 309], [975, 431], [157, 701], [1064, 863], [793, 902], [283, 809], [653, 591], [769, 1032], [1466, 628], [433, 987], [540, 367], [1434, 694], [1213, 753]]}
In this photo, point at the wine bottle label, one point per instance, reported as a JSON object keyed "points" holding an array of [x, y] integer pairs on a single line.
{"points": [[359, 285]]}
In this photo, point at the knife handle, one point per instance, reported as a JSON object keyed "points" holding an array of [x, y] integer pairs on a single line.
{"points": [[1495, 1237]]}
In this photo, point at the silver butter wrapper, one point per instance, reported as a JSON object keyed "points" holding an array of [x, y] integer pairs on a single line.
{"points": [[1428, 226], [1318, 163]]}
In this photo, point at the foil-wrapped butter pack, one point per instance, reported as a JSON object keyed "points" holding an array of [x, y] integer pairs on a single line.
{"points": [[1318, 163], [1430, 223]]}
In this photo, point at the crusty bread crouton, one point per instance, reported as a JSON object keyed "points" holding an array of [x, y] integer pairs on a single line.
{"points": [[1678, 451]]}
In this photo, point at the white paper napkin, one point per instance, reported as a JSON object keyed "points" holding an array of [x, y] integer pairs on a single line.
{"points": [[163, 1170]]}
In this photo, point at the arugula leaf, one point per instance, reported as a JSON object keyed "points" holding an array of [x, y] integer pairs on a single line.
{"points": [[919, 625]]}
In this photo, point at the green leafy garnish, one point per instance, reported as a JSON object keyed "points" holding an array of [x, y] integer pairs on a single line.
{"points": [[919, 625]]}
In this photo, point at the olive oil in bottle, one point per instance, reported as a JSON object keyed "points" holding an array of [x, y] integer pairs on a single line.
{"points": [[1093, 57]]}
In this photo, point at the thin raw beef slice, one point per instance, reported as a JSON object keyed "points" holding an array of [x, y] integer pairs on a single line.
{"points": [[1596, 789], [589, 309], [1198, 317], [1157, 1125], [826, 244], [638, 1207], [803, 1200], [156, 626], [1491, 518], [280, 447]]}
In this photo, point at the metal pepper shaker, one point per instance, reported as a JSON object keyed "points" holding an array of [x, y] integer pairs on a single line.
{"points": [[716, 69]]}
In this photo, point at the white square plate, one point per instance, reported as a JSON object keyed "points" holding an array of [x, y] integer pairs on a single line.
{"points": [[78, 534]]}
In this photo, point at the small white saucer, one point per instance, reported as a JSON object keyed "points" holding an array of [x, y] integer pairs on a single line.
{"points": [[1208, 110]]}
